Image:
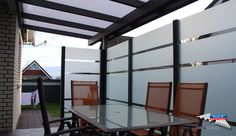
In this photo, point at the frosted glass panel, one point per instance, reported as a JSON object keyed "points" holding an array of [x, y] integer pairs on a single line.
{"points": [[158, 37], [58, 27], [69, 77], [36, 10], [161, 57], [221, 90], [211, 20], [118, 50], [117, 65], [214, 48], [89, 67], [141, 79], [113, 102], [82, 54], [101, 6], [117, 86], [68, 103], [76, 62]]}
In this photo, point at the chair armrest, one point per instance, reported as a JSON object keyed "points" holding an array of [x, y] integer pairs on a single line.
{"points": [[61, 119], [70, 130]]}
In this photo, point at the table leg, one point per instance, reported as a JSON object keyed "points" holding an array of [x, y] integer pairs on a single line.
{"points": [[151, 132], [74, 118], [163, 131]]}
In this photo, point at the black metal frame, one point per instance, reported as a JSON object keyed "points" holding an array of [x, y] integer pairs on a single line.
{"points": [[130, 72], [103, 71], [146, 13], [37, 28], [132, 3], [62, 89], [176, 64], [74, 10], [61, 22]]}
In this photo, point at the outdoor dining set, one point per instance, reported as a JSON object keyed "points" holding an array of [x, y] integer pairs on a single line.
{"points": [[154, 118]]}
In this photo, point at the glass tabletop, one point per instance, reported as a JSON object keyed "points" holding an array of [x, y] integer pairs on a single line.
{"points": [[115, 118]]}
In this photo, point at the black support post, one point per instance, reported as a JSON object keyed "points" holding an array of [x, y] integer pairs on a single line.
{"points": [[130, 72], [103, 71], [176, 44], [62, 91]]}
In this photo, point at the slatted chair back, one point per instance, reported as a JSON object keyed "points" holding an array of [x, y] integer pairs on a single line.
{"points": [[84, 93], [158, 96], [190, 102]]}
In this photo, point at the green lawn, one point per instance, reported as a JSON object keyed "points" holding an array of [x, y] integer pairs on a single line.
{"points": [[53, 108]]}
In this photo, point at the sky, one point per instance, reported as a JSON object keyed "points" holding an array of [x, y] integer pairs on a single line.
{"points": [[49, 55]]}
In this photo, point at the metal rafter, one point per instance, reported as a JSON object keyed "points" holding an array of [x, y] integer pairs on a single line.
{"points": [[148, 12], [132, 3], [37, 28], [70, 9], [61, 22]]}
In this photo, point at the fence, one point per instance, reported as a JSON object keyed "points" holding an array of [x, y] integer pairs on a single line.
{"points": [[52, 90]]}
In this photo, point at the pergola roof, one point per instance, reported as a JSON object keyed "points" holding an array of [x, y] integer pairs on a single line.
{"points": [[93, 19]]}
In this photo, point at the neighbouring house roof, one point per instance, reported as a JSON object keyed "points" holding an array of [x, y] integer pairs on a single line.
{"points": [[34, 69]]}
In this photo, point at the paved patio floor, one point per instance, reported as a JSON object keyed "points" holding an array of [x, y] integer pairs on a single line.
{"points": [[30, 124], [28, 132], [33, 119]]}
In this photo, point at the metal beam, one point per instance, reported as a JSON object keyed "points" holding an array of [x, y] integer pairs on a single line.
{"points": [[132, 3], [148, 12], [70, 9], [55, 31], [61, 22], [103, 71], [176, 57], [62, 87], [130, 72]]}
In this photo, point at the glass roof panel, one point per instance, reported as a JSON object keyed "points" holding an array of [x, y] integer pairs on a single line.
{"points": [[58, 27], [102, 6], [36, 10]]}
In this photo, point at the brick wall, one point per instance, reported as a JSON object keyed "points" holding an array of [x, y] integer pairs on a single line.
{"points": [[10, 61]]}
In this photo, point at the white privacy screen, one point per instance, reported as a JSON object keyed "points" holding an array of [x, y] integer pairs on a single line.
{"points": [[212, 59], [117, 72], [152, 60], [80, 65]]}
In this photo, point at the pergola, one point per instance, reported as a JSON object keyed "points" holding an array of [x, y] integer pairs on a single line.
{"points": [[100, 20], [93, 20], [199, 48]]}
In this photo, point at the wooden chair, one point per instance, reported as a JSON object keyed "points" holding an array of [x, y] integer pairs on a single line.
{"points": [[158, 99], [189, 102], [46, 122], [84, 93]]}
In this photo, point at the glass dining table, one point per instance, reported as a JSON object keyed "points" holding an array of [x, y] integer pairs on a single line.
{"points": [[112, 118]]}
